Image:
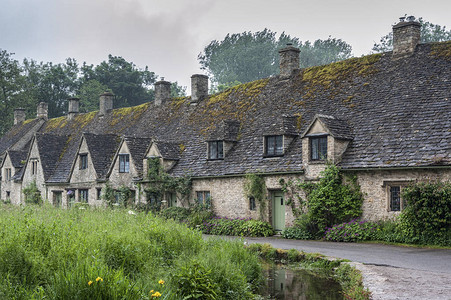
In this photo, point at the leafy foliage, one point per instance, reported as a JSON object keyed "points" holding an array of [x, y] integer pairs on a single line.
{"points": [[175, 213], [429, 33], [254, 186], [331, 200], [236, 227], [194, 282], [353, 231], [427, 216], [248, 56], [32, 194]]}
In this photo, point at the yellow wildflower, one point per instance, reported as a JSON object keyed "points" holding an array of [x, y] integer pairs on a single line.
{"points": [[151, 291], [89, 282], [99, 278], [156, 295], [161, 281]]}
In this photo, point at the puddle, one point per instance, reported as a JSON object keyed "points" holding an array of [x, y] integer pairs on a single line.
{"points": [[288, 284]]}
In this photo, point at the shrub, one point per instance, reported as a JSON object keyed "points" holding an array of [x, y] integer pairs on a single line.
{"points": [[352, 231], [296, 233], [32, 194], [237, 227], [332, 201], [427, 215], [175, 213], [195, 282]]}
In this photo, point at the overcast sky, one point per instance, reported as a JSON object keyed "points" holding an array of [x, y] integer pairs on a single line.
{"points": [[167, 35]]}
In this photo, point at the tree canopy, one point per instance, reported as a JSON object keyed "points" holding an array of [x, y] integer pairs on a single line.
{"points": [[429, 33], [25, 85], [248, 56]]}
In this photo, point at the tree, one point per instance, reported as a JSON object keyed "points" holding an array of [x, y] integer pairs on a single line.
{"points": [[131, 85], [247, 56], [89, 93], [429, 33], [11, 82]]}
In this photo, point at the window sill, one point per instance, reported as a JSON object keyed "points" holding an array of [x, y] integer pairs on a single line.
{"points": [[215, 159], [272, 156], [317, 162]]}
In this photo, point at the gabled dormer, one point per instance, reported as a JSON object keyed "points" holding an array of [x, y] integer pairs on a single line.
{"points": [[94, 157], [11, 167], [222, 139], [162, 154], [279, 135], [325, 140], [127, 164]]}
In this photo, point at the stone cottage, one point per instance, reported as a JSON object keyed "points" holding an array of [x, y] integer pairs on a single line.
{"points": [[383, 117]]}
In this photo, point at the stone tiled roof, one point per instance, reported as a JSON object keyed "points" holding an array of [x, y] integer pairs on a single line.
{"points": [[18, 132], [102, 148], [18, 157], [396, 113], [170, 150], [138, 147], [50, 148]]}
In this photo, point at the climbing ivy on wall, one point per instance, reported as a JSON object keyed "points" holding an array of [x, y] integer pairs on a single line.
{"points": [[161, 182], [254, 186], [32, 194]]}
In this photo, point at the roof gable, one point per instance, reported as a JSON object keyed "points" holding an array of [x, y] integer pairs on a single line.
{"points": [[337, 128], [50, 148], [102, 148]]}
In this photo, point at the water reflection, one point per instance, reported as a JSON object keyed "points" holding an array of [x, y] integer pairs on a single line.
{"points": [[284, 283]]}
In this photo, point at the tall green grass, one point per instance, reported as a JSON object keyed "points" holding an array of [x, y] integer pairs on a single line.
{"points": [[48, 253]]}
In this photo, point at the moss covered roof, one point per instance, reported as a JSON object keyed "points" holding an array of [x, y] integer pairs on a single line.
{"points": [[397, 110]]}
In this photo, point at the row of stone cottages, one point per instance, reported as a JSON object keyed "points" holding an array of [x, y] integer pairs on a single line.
{"points": [[384, 117]]}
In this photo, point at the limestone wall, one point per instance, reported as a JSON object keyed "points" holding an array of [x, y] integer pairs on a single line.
{"points": [[374, 184]]}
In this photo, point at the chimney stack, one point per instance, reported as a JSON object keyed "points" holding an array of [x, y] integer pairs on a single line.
{"points": [[74, 104], [199, 87], [162, 91], [19, 115], [106, 103], [289, 60], [406, 36], [43, 111]]}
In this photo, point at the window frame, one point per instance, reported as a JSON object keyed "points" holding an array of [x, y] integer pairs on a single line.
{"points": [[124, 163], [204, 199], [83, 195], [273, 139], [83, 161], [215, 145], [34, 166], [401, 184], [8, 174], [315, 141], [252, 203]]}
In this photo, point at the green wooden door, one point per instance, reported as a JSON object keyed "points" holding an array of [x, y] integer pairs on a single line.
{"points": [[278, 211]]}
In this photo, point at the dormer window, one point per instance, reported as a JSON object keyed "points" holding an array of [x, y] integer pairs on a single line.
{"points": [[318, 148], [216, 150], [274, 145], [124, 163]]}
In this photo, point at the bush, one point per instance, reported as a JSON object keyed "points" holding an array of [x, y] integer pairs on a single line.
{"points": [[427, 215], [194, 281], [237, 227], [332, 201], [175, 213], [296, 233], [32, 194], [353, 231]]}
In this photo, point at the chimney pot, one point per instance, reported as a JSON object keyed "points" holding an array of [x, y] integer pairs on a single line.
{"points": [[106, 103], [199, 87], [43, 111], [19, 115], [162, 91], [289, 60]]}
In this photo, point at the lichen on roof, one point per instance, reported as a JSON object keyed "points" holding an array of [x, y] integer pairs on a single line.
{"points": [[55, 124], [442, 50], [129, 114]]}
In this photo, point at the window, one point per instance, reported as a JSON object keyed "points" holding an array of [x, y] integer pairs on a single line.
{"points": [[83, 195], [395, 198], [216, 150], [99, 194], [153, 200], [57, 198], [318, 148], [8, 174], [274, 145], [124, 163], [34, 167], [203, 198], [252, 205], [8, 194], [83, 161]]}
